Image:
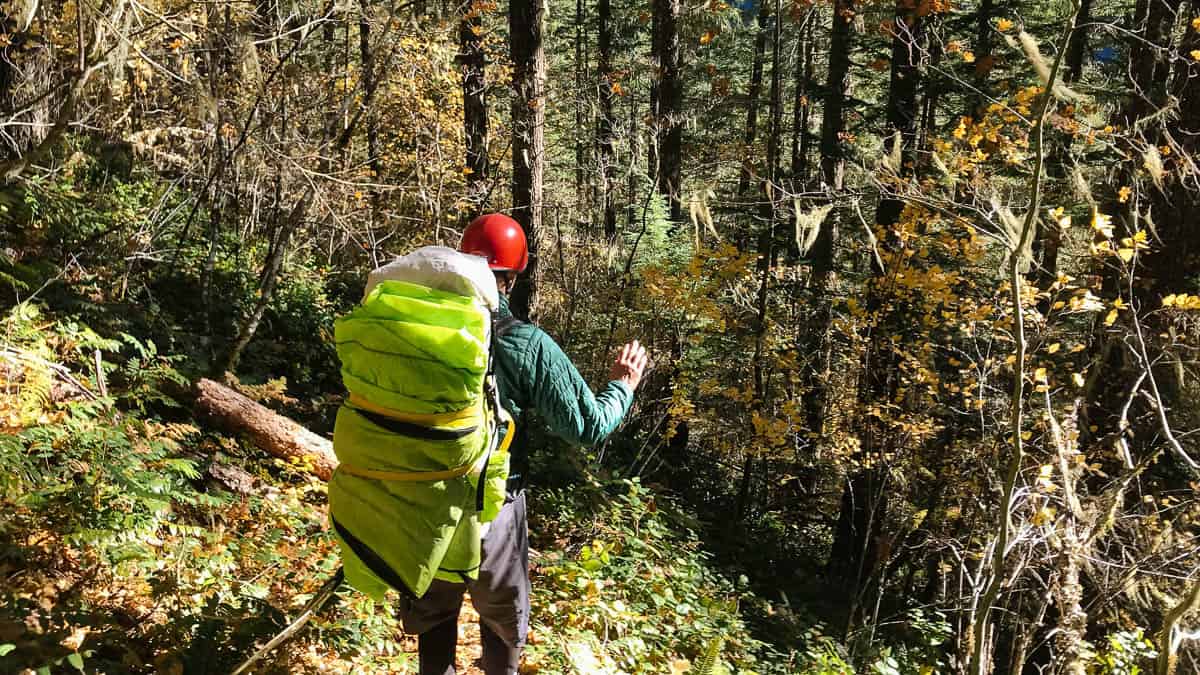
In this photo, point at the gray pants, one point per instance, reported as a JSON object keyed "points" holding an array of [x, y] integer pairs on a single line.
{"points": [[500, 595]]}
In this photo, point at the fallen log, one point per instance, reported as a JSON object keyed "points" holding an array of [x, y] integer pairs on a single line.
{"points": [[230, 411]]}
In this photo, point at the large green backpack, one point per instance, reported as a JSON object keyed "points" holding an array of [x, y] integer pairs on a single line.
{"points": [[422, 441]]}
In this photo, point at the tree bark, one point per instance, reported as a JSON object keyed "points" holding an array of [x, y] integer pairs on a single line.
{"points": [[268, 280], [525, 18], [581, 212], [837, 90], [864, 502], [370, 79], [475, 120], [752, 98], [1148, 67], [775, 126], [668, 105], [983, 55], [230, 411], [1173, 207], [902, 102], [802, 105], [604, 131], [1049, 235], [1168, 657], [1077, 47]]}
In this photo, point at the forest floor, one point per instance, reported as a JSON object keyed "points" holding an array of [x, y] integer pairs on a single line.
{"points": [[135, 539]]}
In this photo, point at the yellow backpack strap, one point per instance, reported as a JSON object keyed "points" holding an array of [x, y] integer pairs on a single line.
{"points": [[509, 433]]}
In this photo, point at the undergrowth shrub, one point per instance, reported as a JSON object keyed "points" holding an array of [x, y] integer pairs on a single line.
{"points": [[620, 588], [131, 543]]}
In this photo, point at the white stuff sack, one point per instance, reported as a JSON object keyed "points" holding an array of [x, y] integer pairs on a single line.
{"points": [[442, 268]]}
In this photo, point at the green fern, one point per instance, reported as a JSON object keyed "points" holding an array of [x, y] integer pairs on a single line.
{"points": [[707, 665]]}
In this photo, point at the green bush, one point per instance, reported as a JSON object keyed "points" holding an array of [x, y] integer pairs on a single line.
{"points": [[127, 547], [632, 592]]}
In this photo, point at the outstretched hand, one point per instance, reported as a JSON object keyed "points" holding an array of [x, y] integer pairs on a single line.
{"points": [[630, 365]]}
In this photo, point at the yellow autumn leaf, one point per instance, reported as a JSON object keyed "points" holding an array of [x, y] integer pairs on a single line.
{"points": [[1123, 194], [1195, 53], [968, 56], [1111, 318], [1053, 348], [1004, 25], [1102, 223], [1077, 379], [1039, 375], [1196, 24], [1125, 253], [1043, 516]]}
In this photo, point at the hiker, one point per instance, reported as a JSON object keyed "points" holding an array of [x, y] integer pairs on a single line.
{"points": [[532, 373]]}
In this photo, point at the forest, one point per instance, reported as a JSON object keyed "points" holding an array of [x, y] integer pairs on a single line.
{"points": [[919, 281]]}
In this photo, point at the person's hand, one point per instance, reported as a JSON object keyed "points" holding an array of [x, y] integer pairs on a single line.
{"points": [[630, 364]]}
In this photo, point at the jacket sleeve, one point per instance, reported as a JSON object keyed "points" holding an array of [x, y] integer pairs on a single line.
{"points": [[563, 398]]}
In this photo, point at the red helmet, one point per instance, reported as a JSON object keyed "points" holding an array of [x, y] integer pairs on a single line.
{"points": [[498, 238]]}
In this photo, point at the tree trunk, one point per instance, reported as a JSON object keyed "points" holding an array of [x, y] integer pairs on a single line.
{"points": [[837, 90], [1048, 238], [604, 131], [902, 103], [668, 104], [268, 280], [983, 56], [1148, 66], [1077, 47], [752, 98], [775, 128], [1173, 207], [367, 56], [581, 212], [801, 104], [853, 556], [525, 19], [228, 410], [932, 95], [475, 120], [852, 553]]}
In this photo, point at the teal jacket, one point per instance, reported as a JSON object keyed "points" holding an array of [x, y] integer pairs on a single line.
{"points": [[533, 373]]}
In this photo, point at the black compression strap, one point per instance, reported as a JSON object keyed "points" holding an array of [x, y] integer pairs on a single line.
{"points": [[372, 560], [415, 430]]}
